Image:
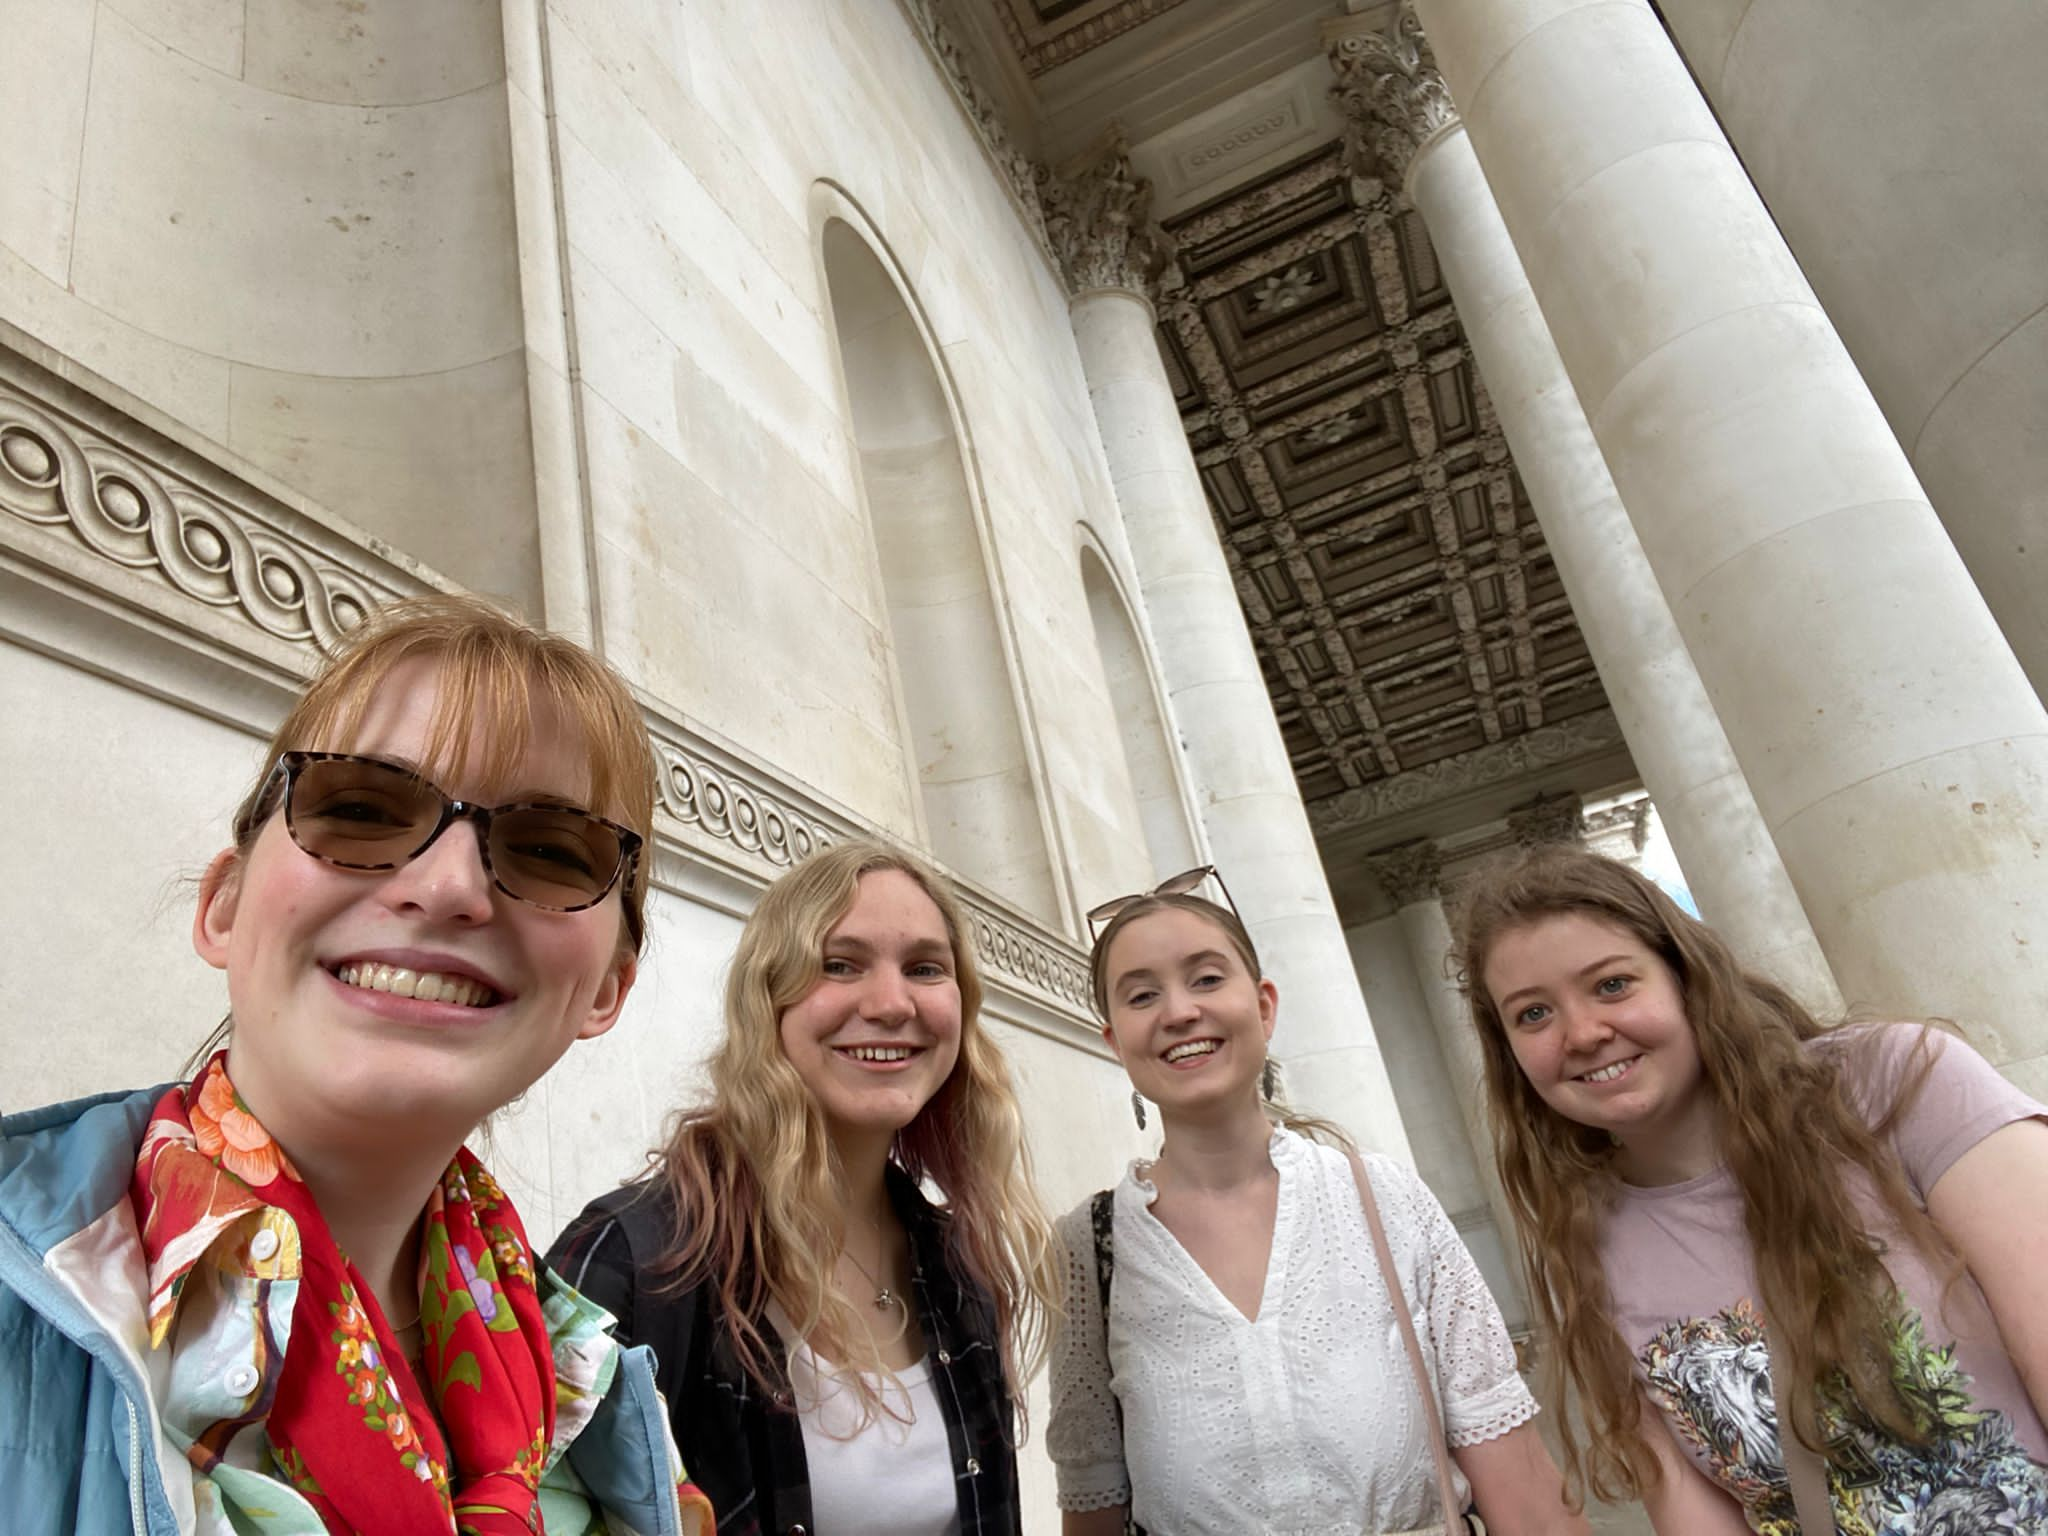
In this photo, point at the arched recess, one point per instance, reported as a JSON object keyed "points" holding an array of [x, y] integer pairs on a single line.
{"points": [[1141, 726], [973, 772]]}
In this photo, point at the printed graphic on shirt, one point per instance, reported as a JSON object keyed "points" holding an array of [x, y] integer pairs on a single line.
{"points": [[1712, 1378]]}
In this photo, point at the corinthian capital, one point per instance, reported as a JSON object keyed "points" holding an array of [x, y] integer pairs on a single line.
{"points": [[1393, 98], [1409, 872], [1098, 217]]}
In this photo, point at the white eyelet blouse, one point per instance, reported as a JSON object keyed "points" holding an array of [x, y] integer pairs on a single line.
{"points": [[1305, 1419]]}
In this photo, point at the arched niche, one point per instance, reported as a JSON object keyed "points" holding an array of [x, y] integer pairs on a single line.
{"points": [[1141, 728], [973, 773]]}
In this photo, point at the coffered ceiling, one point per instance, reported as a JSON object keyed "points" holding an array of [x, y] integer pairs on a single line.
{"points": [[1422, 657]]}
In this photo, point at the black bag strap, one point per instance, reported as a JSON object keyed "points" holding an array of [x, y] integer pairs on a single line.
{"points": [[1102, 1222]]}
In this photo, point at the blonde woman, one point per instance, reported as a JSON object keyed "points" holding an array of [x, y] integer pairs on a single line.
{"points": [[839, 1353], [283, 1296]]}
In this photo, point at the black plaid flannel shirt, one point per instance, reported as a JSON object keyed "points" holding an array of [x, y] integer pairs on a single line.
{"points": [[745, 1448]]}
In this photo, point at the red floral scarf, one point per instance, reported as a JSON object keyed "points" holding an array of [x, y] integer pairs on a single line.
{"points": [[349, 1426]]}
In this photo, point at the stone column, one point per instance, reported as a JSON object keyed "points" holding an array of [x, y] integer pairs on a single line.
{"points": [[1404, 127], [1257, 826], [1894, 746], [1412, 877], [1900, 150]]}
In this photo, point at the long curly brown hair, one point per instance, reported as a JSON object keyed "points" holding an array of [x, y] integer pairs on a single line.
{"points": [[1820, 1269]]}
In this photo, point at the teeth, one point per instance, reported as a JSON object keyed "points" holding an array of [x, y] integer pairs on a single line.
{"points": [[1610, 1073], [878, 1052], [1193, 1048], [428, 986]]}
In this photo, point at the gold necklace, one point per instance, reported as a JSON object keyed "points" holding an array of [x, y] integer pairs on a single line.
{"points": [[884, 1297]]}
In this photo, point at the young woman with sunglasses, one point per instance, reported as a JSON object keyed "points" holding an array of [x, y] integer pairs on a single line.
{"points": [[1251, 1372], [840, 1353], [1734, 1218], [283, 1296]]}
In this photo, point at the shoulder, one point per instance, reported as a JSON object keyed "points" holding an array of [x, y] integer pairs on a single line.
{"points": [[64, 1165], [621, 1230]]}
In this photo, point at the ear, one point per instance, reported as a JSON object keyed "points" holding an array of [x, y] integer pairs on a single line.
{"points": [[1109, 1039], [1269, 1006], [213, 921], [611, 997]]}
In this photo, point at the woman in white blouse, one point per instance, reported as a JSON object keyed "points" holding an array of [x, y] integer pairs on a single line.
{"points": [[1251, 1373]]}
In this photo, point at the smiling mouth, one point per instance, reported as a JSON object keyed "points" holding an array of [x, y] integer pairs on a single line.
{"points": [[1608, 1073], [882, 1053], [426, 986], [1188, 1050]]}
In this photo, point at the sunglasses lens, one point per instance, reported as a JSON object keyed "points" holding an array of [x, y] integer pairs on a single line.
{"points": [[1184, 882], [554, 858], [361, 815]]}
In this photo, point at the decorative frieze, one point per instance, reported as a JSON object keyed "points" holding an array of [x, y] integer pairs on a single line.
{"points": [[76, 473], [1098, 218], [1393, 98], [1483, 768]]}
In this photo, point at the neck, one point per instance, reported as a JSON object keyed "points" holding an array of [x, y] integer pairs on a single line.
{"points": [[1686, 1147], [1217, 1149], [863, 1158]]}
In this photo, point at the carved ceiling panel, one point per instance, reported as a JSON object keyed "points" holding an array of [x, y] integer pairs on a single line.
{"points": [[1405, 608], [1047, 33]]}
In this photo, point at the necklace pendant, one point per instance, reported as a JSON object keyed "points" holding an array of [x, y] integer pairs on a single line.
{"points": [[884, 1299]]}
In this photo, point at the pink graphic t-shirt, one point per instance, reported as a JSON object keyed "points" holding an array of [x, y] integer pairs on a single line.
{"points": [[1678, 1266]]}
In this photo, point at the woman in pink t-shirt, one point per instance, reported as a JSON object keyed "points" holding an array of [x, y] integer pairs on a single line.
{"points": [[1708, 1181]]}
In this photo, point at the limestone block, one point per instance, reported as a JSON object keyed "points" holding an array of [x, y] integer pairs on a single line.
{"points": [[374, 53], [441, 464], [294, 235], [210, 32], [107, 992], [43, 129]]}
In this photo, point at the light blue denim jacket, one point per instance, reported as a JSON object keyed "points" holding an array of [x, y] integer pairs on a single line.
{"points": [[80, 1444]]}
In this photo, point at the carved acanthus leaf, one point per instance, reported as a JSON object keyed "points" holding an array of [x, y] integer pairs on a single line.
{"points": [[1546, 820], [1409, 872], [1392, 95], [1498, 763], [1098, 217]]}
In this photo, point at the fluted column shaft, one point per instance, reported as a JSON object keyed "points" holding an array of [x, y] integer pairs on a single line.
{"points": [[1896, 750], [1250, 804]]}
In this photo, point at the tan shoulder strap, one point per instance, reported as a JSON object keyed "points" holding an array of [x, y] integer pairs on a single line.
{"points": [[1432, 1416], [1803, 1469]]}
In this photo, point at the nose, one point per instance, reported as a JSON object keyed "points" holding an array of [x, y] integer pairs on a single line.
{"points": [[885, 998], [1585, 1028], [446, 882], [1178, 1005]]}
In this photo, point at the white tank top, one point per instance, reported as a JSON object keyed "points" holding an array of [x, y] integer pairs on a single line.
{"points": [[893, 1478]]}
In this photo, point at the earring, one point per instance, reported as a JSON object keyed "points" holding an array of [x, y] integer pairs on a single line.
{"points": [[1269, 1081], [1138, 1109]]}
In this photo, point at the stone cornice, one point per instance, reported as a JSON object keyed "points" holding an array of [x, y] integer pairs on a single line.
{"points": [[1098, 218], [211, 577], [1020, 175], [1391, 93], [1485, 767]]}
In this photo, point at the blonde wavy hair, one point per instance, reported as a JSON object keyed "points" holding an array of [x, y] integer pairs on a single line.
{"points": [[1232, 927], [759, 1211], [1820, 1270]]}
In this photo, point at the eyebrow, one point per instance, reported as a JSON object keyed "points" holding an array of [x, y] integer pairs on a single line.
{"points": [[1578, 975], [1145, 972], [917, 947]]}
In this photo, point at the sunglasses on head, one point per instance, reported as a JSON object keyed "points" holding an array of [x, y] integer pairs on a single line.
{"points": [[364, 813], [1174, 885]]}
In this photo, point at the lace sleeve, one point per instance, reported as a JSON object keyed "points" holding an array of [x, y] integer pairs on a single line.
{"points": [[1483, 1395], [1083, 1436]]}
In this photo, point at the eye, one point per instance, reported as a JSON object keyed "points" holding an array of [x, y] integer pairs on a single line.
{"points": [[1612, 986], [556, 853], [1209, 979], [1532, 1015], [929, 970], [361, 808], [1138, 997], [834, 965]]}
